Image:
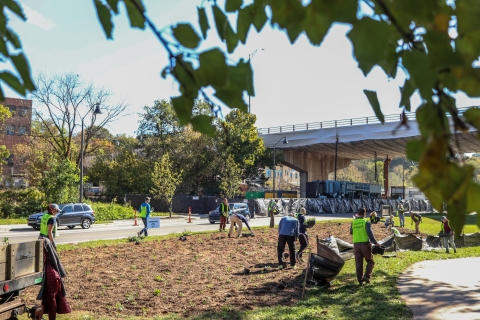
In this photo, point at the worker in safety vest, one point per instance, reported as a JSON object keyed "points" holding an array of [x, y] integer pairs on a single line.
{"points": [[272, 210], [363, 237], [48, 224], [144, 214], [224, 209]]}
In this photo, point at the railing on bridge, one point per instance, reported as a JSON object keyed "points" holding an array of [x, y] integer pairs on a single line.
{"points": [[340, 123]]}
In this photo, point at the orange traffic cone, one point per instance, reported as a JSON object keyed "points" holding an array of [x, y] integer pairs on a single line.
{"points": [[189, 215], [135, 218]]}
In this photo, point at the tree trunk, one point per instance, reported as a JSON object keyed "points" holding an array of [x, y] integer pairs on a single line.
{"points": [[170, 209]]}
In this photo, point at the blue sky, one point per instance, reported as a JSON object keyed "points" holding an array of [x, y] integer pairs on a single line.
{"points": [[294, 83]]}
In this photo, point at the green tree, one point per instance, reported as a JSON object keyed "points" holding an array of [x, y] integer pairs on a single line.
{"points": [[230, 177], [165, 180], [435, 42], [61, 183], [239, 138], [121, 169]]}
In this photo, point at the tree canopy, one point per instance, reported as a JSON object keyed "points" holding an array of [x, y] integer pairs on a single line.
{"points": [[436, 43]]}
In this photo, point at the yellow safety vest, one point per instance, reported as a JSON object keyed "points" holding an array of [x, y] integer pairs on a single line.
{"points": [[359, 231], [44, 224]]}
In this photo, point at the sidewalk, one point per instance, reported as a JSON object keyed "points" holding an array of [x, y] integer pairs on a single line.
{"points": [[442, 289]]}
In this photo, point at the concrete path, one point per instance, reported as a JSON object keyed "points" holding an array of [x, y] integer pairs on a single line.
{"points": [[445, 289]]}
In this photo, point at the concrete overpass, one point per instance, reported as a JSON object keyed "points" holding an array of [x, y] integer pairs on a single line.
{"points": [[314, 149]]}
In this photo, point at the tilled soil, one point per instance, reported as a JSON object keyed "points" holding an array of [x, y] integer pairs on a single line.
{"points": [[202, 273]]}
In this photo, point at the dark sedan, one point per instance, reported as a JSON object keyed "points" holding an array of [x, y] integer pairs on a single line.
{"points": [[70, 215], [241, 208]]}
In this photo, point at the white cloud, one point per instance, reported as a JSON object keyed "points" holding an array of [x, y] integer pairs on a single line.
{"points": [[36, 18]]}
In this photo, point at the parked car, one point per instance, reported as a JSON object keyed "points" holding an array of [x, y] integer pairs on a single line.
{"points": [[70, 215], [241, 208]]}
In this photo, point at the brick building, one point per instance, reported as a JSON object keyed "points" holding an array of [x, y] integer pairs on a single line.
{"points": [[14, 131]]}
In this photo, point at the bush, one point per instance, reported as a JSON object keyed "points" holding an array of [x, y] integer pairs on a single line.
{"points": [[112, 211], [21, 202]]}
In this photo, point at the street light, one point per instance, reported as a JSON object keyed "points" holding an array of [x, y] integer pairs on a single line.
{"points": [[250, 57], [285, 141], [95, 112]]}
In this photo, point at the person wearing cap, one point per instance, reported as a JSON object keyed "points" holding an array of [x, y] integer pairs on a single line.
{"points": [[144, 214], [447, 235], [287, 234], [48, 224], [239, 219], [302, 234], [417, 218], [363, 237], [373, 217]]}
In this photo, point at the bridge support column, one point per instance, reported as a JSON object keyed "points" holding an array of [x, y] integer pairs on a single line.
{"points": [[303, 184]]}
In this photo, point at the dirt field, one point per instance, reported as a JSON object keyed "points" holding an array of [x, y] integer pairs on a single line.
{"points": [[203, 273]]}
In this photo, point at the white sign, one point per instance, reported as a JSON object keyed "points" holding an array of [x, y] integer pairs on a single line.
{"points": [[245, 200], [195, 198], [153, 222]]}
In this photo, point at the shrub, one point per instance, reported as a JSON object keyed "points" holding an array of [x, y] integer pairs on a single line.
{"points": [[21, 202]]}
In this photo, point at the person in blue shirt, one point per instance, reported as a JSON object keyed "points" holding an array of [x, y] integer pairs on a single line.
{"points": [[144, 214], [287, 233], [303, 236]]}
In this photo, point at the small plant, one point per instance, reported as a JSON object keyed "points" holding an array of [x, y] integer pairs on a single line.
{"points": [[5, 240], [134, 239], [156, 292], [134, 266], [310, 222], [119, 307], [159, 278]]}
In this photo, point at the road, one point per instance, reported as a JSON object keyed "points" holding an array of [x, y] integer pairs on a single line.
{"points": [[125, 228]]}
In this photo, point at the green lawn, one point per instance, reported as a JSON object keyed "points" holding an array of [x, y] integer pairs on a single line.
{"points": [[431, 223]]}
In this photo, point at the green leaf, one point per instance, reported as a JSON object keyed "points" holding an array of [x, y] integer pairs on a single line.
{"points": [[186, 36], [213, 68], [337, 10], [406, 11], [473, 200], [422, 75], [135, 10], [203, 21], [183, 108], [369, 38], [15, 8], [232, 98], [472, 116], [259, 16], [407, 92], [316, 23], [203, 123], [440, 51], [414, 149], [220, 21], [241, 77], [105, 17], [21, 64], [244, 21], [431, 120], [113, 4], [186, 76], [469, 81], [13, 82], [14, 39], [233, 5], [372, 98], [390, 62], [3, 47], [288, 15]]}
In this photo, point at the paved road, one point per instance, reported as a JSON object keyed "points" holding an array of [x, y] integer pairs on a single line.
{"points": [[125, 228], [442, 289]]}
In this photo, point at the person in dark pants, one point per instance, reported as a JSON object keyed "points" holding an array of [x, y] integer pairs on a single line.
{"points": [[224, 209], [303, 236], [447, 235], [287, 233], [363, 237], [144, 214], [417, 218], [272, 210]]}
